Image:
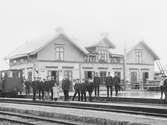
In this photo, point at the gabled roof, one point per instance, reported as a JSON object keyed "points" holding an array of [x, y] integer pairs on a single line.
{"points": [[103, 41], [147, 48], [33, 47]]}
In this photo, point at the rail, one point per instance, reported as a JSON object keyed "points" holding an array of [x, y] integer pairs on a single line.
{"points": [[31, 119], [138, 110]]}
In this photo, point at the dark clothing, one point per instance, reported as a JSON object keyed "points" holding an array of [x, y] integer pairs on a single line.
{"points": [[97, 90], [83, 92], [66, 95], [77, 88], [27, 87], [109, 81], [51, 84], [96, 82], [109, 91], [66, 88], [34, 86], [40, 89], [116, 81], [66, 84], [109, 85], [89, 88]]}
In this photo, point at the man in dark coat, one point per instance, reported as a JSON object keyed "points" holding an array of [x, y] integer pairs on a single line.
{"points": [[66, 88], [83, 91], [96, 82], [89, 87], [34, 86], [43, 85], [109, 84], [40, 83], [77, 88], [116, 81], [50, 86], [27, 87]]}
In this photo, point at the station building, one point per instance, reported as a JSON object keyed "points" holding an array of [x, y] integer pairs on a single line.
{"points": [[59, 56]]}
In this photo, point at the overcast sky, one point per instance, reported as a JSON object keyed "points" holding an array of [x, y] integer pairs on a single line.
{"points": [[127, 21]]}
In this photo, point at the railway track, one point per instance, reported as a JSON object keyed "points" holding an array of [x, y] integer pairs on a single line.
{"points": [[25, 119], [137, 110]]}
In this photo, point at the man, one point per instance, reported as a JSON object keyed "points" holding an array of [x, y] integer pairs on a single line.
{"points": [[165, 90], [109, 84], [34, 87], [51, 84], [96, 82], [77, 88], [83, 90], [89, 87], [116, 81], [27, 87], [66, 88], [162, 86]]}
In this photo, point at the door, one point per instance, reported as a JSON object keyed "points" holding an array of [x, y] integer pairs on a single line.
{"points": [[68, 74], [89, 74], [54, 74], [102, 77], [134, 83], [29, 76], [145, 76]]}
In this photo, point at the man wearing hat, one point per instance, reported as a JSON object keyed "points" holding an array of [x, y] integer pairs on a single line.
{"points": [[96, 82], [83, 90], [116, 81], [109, 84], [66, 88], [77, 88]]}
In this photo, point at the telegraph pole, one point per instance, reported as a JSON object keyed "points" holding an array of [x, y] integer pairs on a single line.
{"points": [[124, 65]]}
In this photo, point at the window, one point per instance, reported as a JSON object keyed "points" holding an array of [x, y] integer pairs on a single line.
{"points": [[22, 60], [14, 61], [118, 74], [103, 55], [68, 74], [89, 74], [133, 77], [60, 53], [139, 55], [10, 74]]}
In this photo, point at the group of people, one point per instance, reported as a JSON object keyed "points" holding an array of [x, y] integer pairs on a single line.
{"points": [[90, 85], [41, 87], [44, 88]]}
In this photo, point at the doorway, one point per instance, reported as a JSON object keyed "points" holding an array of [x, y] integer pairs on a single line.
{"points": [[89, 74], [134, 83], [145, 76], [103, 77], [68, 74], [54, 74]]}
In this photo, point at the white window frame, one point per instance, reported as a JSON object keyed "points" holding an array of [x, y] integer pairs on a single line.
{"points": [[60, 56]]}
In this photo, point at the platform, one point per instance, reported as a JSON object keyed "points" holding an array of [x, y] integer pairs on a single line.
{"points": [[130, 94], [87, 116]]}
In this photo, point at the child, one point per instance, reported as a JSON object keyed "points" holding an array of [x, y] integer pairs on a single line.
{"points": [[55, 92]]}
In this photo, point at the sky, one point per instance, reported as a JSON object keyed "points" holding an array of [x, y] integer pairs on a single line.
{"points": [[126, 21]]}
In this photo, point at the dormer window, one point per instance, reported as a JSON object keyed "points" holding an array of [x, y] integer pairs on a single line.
{"points": [[103, 54]]}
